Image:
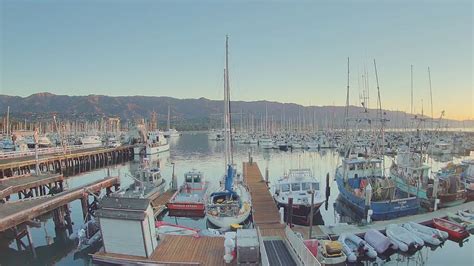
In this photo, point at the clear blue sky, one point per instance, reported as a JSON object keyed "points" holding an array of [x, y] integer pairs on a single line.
{"points": [[279, 50]]}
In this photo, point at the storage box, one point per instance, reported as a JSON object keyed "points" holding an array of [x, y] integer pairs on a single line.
{"points": [[248, 247]]}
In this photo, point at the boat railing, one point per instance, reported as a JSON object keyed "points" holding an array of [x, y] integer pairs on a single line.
{"points": [[263, 251], [304, 254]]}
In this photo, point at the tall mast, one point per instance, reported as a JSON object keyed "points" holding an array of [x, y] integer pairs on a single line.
{"points": [[346, 122], [431, 96], [8, 121], [411, 74], [227, 117], [382, 120]]}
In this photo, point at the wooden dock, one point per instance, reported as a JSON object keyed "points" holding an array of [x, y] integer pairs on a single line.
{"points": [[74, 161], [159, 203], [174, 250], [264, 211], [18, 212], [33, 183]]}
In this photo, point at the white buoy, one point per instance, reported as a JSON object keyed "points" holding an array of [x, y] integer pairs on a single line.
{"points": [[369, 215]]}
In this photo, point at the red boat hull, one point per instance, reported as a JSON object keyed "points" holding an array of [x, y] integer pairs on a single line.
{"points": [[455, 230]]}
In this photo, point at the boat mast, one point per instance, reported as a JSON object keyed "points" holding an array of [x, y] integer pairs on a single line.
{"points": [[411, 74], [227, 116], [431, 96], [346, 122], [382, 121]]}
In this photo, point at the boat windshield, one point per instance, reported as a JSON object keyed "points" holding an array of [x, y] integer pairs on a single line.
{"points": [[285, 187], [315, 186], [295, 187], [306, 186]]}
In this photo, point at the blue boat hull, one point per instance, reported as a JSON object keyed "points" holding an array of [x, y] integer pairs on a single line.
{"points": [[382, 210]]}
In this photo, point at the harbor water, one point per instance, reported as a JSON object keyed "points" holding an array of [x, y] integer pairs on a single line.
{"points": [[195, 151]]}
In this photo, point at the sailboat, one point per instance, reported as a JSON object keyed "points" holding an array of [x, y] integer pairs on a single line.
{"points": [[229, 204], [170, 132]]}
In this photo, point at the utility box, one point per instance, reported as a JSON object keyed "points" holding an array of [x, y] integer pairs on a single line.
{"points": [[248, 247]]}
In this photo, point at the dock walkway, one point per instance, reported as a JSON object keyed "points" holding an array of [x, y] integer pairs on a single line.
{"points": [[159, 203], [13, 185], [18, 212]]}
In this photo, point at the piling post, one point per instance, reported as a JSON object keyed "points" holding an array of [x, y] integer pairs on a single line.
{"points": [[85, 206], [289, 217], [30, 241], [174, 184], [311, 214], [328, 192]]}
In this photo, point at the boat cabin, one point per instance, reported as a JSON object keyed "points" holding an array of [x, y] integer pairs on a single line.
{"points": [[359, 167], [297, 181], [149, 175], [194, 180]]}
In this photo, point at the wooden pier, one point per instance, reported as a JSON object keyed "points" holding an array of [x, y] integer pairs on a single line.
{"points": [[30, 186], [18, 212], [73, 162]]}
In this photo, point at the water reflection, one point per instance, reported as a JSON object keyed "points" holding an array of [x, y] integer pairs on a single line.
{"points": [[196, 151]]}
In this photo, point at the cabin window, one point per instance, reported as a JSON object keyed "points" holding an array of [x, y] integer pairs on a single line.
{"points": [[197, 178], [150, 178], [351, 166], [285, 187], [189, 178], [306, 186], [315, 186], [295, 187]]}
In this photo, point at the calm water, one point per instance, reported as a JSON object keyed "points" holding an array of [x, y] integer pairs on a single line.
{"points": [[195, 151]]}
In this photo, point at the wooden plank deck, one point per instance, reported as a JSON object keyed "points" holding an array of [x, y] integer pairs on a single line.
{"points": [[10, 186], [30, 160], [175, 250], [424, 218], [159, 203], [264, 211], [18, 212]]}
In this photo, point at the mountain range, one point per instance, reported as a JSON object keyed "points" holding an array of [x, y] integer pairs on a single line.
{"points": [[189, 114]]}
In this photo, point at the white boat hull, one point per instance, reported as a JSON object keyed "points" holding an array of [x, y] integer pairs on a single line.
{"points": [[157, 149]]}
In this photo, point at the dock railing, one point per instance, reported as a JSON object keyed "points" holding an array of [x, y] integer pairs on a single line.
{"points": [[306, 257], [263, 251]]}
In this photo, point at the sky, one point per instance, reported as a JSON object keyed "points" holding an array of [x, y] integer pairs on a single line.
{"points": [[286, 51]]}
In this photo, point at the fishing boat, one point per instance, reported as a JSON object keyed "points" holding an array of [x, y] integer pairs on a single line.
{"points": [[455, 230], [360, 181], [148, 183], [91, 141], [230, 203], [190, 196], [468, 225], [299, 185]]}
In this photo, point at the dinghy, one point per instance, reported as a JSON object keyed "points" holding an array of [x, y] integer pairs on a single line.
{"points": [[406, 241], [428, 235], [379, 241], [355, 247], [163, 228], [455, 230], [330, 253], [469, 226]]}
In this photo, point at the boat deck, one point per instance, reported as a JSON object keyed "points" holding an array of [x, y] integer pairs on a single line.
{"points": [[175, 250], [13, 185]]}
